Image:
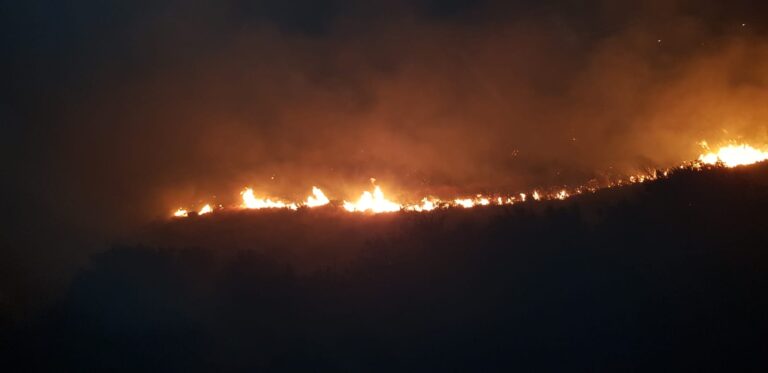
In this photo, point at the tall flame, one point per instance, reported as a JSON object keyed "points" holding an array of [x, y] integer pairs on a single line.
{"points": [[372, 203], [205, 210], [317, 198]]}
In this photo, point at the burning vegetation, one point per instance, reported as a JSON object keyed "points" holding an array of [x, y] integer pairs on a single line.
{"points": [[731, 155]]}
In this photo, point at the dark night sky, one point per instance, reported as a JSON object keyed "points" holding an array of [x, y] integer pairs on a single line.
{"points": [[112, 111]]}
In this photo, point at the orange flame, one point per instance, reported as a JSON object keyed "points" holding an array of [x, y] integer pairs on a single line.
{"points": [[205, 210], [251, 202], [563, 194], [427, 204], [465, 202], [317, 198], [374, 202], [733, 155]]}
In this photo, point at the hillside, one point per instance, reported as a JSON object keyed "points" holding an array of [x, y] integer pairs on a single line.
{"points": [[666, 275]]}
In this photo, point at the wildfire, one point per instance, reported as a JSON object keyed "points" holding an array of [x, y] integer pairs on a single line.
{"points": [[374, 202], [317, 198], [427, 204], [251, 202], [465, 203], [205, 210], [733, 155]]}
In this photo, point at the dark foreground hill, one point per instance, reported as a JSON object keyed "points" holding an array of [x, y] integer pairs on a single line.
{"points": [[670, 276]]}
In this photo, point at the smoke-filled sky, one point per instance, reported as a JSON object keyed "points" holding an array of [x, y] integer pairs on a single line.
{"points": [[112, 112]]}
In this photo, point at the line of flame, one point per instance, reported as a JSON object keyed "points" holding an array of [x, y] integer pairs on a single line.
{"points": [[375, 202]]}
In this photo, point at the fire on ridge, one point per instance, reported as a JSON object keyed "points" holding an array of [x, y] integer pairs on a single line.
{"points": [[733, 155], [728, 156]]}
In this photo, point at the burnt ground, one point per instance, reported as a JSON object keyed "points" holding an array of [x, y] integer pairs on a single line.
{"points": [[669, 275]]}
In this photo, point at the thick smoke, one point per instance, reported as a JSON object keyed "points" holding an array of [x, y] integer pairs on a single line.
{"points": [[115, 113]]}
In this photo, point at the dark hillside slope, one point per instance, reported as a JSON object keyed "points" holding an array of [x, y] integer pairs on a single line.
{"points": [[669, 275]]}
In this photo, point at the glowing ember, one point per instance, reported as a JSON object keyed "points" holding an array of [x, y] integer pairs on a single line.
{"points": [[317, 198], [181, 213], [372, 203], [734, 155], [205, 210], [251, 202]]}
